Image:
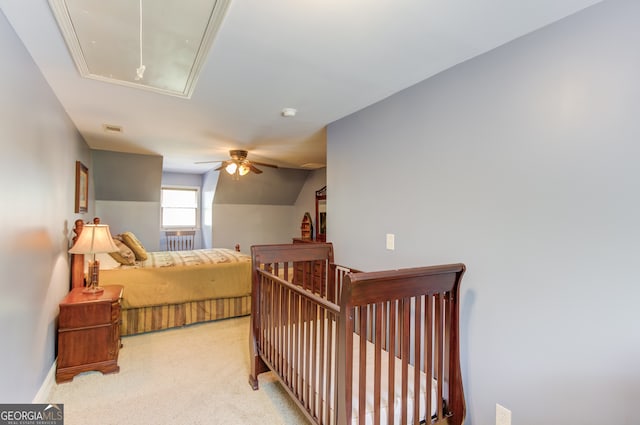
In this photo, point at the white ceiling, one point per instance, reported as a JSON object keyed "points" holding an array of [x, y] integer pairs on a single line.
{"points": [[325, 58]]}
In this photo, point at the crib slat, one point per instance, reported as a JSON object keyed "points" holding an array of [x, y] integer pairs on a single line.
{"points": [[306, 350], [330, 377], [272, 324], [278, 313], [346, 352], [362, 367], [438, 353], [404, 354], [267, 317], [447, 332], [377, 368], [393, 312], [428, 354], [416, 368], [295, 323], [321, 369], [267, 310], [314, 359]]}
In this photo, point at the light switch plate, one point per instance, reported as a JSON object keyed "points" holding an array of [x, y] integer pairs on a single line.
{"points": [[391, 241], [503, 415]]}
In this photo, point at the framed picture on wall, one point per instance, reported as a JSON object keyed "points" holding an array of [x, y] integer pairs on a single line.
{"points": [[82, 188]]}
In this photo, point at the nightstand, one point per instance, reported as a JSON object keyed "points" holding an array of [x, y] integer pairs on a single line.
{"points": [[88, 333]]}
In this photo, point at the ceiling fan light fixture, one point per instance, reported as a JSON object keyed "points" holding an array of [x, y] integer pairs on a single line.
{"points": [[231, 168], [243, 169], [141, 68], [239, 165]]}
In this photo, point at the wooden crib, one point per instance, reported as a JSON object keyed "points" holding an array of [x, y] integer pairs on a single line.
{"points": [[344, 343]]}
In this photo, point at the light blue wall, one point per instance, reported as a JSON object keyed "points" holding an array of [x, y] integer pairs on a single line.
{"points": [[524, 164], [39, 146]]}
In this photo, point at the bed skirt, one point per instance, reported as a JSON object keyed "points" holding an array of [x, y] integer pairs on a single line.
{"points": [[147, 319]]}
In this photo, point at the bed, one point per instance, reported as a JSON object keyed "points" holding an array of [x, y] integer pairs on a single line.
{"points": [[175, 288], [343, 343]]}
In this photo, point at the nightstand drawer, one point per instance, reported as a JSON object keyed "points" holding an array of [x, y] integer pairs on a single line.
{"points": [[85, 346], [89, 314]]}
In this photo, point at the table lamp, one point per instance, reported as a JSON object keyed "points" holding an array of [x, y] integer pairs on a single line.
{"points": [[94, 239]]}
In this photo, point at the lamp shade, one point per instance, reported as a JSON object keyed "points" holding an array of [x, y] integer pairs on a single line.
{"points": [[95, 238]]}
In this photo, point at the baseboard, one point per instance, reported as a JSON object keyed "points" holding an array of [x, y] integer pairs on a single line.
{"points": [[47, 385]]}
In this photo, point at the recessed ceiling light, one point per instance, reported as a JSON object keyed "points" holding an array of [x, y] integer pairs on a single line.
{"points": [[289, 112]]}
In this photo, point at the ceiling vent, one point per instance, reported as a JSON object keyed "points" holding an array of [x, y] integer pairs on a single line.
{"points": [[153, 45], [110, 128]]}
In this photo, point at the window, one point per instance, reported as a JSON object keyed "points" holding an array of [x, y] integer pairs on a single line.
{"points": [[180, 207]]}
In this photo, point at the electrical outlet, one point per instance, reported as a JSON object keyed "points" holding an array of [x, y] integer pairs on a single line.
{"points": [[391, 241], [503, 415]]}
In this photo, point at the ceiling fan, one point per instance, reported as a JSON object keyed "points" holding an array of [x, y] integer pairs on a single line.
{"points": [[239, 165]]}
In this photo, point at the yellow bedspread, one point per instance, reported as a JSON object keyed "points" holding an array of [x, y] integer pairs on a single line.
{"points": [[173, 277]]}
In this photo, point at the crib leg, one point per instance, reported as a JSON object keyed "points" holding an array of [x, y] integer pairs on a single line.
{"points": [[257, 365]]}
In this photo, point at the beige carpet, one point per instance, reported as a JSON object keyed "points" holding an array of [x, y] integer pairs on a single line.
{"points": [[193, 375]]}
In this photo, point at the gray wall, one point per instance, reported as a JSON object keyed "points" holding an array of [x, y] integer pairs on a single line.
{"points": [[128, 194], [249, 225], [522, 163], [39, 146]]}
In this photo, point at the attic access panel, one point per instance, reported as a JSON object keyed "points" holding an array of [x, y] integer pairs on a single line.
{"points": [[103, 38]]}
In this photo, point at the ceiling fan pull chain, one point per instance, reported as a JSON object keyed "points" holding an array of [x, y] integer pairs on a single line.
{"points": [[140, 70]]}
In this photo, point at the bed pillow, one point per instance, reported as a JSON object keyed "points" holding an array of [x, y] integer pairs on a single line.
{"points": [[124, 255], [136, 246]]}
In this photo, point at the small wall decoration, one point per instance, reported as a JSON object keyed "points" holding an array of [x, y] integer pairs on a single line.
{"points": [[306, 228], [82, 188]]}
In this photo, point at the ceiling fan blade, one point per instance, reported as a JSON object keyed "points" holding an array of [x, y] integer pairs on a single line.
{"points": [[254, 169], [264, 164], [223, 164], [208, 162]]}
